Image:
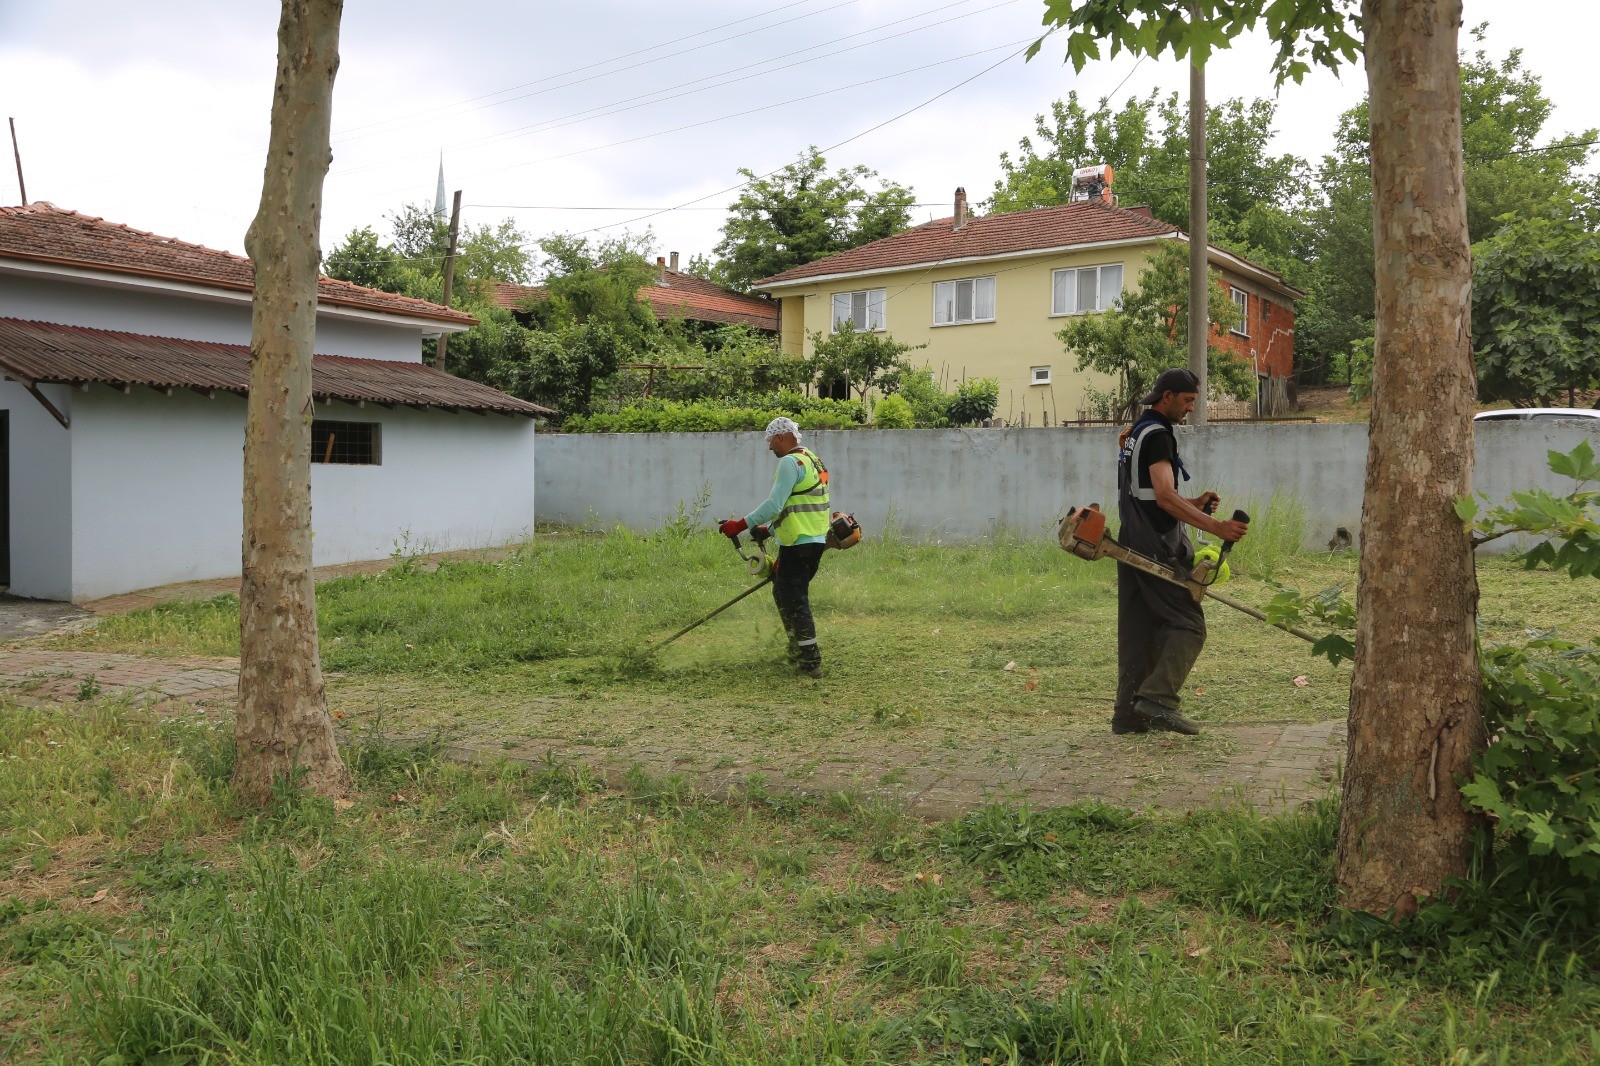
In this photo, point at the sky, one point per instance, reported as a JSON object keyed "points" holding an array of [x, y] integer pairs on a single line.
{"points": [[596, 117]]}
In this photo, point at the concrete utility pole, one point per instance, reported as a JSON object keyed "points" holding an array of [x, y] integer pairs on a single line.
{"points": [[17, 152], [1199, 269], [449, 271]]}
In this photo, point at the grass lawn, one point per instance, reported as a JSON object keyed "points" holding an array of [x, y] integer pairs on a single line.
{"points": [[513, 914], [917, 640], [517, 913]]}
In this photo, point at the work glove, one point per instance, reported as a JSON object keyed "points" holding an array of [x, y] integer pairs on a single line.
{"points": [[732, 527]]}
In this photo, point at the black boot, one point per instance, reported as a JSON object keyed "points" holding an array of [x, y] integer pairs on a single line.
{"points": [[1155, 716]]}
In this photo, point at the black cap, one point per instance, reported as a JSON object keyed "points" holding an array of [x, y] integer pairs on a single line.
{"points": [[1178, 379]]}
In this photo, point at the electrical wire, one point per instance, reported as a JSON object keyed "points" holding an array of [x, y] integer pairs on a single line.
{"points": [[617, 59]]}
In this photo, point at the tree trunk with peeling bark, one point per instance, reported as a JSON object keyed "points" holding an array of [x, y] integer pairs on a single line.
{"points": [[283, 728], [1415, 711]]}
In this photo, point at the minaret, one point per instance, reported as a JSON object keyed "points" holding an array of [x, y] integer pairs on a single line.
{"points": [[439, 208]]}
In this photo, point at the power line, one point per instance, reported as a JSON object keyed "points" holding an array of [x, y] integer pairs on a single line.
{"points": [[746, 113], [620, 58], [689, 204], [641, 100]]}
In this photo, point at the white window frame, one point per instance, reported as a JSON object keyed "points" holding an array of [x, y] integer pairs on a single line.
{"points": [[947, 298], [873, 309], [1035, 379], [1060, 308], [1241, 300]]}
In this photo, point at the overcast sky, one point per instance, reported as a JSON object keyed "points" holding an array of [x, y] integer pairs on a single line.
{"points": [[156, 114]]}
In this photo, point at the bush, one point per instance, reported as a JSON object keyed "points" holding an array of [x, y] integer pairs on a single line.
{"points": [[708, 416], [929, 403], [893, 412], [974, 401]]}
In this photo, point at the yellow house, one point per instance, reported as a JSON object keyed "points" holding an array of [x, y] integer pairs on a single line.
{"points": [[987, 296]]}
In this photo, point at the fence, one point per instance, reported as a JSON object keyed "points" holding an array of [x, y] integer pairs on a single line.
{"points": [[956, 485]]}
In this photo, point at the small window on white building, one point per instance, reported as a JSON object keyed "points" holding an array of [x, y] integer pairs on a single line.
{"points": [[1241, 300], [348, 443], [967, 300], [863, 309], [1084, 289], [1039, 376]]}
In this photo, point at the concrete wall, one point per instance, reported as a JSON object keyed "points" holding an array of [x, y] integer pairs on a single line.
{"points": [[41, 492], [156, 484], [222, 320], [964, 484]]}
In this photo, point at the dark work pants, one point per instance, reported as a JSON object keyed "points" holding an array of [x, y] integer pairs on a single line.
{"points": [[1160, 632], [791, 591]]}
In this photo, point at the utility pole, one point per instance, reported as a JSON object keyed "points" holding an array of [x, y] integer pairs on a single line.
{"points": [[17, 152], [449, 271], [1199, 268]]}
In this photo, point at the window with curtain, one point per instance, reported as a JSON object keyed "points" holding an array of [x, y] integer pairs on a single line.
{"points": [[967, 300], [863, 309], [1080, 290]]}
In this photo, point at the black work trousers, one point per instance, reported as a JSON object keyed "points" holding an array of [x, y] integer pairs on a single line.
{"points": [[791, 591], [1160, 633]]}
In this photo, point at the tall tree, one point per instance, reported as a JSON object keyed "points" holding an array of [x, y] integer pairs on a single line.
{"points": [[802, 214], [1536, 311], [1510, 172], [283, 729], [1415, 715]]}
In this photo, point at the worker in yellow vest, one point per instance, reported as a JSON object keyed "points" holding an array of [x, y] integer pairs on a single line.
{"points": [[797, 514]]}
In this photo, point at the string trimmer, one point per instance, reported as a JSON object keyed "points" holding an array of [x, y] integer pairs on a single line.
{"points": [[843, 532], [1083, 533]]}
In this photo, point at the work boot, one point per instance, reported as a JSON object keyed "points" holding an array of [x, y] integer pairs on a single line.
{"points": [[1156, 716], [813, 669], [1122, 726]]}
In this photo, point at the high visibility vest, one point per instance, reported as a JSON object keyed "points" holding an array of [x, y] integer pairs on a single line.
{"points": [[805, 513]]}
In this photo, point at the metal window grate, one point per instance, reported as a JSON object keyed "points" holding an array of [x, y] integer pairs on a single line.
{"points": [[350, 443]]}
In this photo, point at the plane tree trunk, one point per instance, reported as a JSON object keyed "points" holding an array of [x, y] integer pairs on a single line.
{"points": [[1415, 711], [283, 729]]}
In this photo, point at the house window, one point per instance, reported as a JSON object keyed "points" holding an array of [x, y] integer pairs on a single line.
{"points": [[864, 310], [968, 300], [1085, 289], [350, 443], [1241, 300], [1039, 376]]}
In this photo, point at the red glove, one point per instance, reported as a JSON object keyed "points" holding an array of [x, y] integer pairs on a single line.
{"points": [[732, 527]]}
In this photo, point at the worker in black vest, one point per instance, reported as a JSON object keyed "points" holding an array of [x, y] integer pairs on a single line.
{"points": [[1160, 628]]}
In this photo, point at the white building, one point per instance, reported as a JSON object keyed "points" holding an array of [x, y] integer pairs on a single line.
{"points": [[126, 360]]}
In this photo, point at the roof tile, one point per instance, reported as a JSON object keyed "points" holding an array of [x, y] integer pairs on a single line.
{"points": [[42, 232], [1021, 231], [683, 296]]}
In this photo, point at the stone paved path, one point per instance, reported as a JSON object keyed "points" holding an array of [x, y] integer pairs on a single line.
{"points": [[1265, 764]]}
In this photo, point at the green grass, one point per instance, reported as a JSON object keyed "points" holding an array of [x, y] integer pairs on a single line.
{"points": [[512, 913]]}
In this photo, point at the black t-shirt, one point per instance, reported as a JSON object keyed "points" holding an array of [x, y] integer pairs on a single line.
{"points": [[1160, 446]]}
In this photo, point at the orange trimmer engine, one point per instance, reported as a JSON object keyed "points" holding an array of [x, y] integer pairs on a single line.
{"points": [[843, 531], [1083, 532]]}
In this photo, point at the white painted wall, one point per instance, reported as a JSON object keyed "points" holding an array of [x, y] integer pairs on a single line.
{"points": [[157, 481], [41, 485], [161, 314], [963, 484]]}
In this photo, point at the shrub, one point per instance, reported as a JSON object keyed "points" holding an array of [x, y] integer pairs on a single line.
{"points": [[893, 412], [707, 416], [974, 401]]}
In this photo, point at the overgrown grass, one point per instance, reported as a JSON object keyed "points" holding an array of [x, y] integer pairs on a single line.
{"points": [[514, 914]]}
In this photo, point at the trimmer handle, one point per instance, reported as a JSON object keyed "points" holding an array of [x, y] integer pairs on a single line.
{"points": [[1227, 545]]}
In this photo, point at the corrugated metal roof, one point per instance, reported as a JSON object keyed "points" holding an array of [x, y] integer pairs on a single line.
{"points": [[41, 232], [52, 353]]}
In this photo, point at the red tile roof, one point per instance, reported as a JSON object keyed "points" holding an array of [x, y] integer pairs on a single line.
{"points": [[988, 235], [43, 233], [683, 296], [51, 353]]}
